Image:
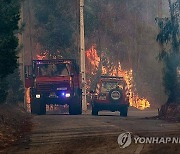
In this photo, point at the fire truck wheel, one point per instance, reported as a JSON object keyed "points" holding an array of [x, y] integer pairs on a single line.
{"points": [[38, 107], [42, 108], [75, 107], [124, 111], [94, 110], [34, 108]]}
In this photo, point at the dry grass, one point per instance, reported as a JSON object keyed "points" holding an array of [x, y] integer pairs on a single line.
{"points": [[170, 112]]}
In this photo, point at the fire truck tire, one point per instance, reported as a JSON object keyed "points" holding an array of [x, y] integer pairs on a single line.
{"points": [[124, 111], [34, 108], [38, 107], [42, 109], [94, 110], [75, 107]]}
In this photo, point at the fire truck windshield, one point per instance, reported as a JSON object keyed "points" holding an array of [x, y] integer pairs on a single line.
{"points": [[53, 70]]}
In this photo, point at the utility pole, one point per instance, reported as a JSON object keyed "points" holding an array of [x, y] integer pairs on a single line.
{"points": [[160, 8], [82, 53], [30, 29], [22, 52]]}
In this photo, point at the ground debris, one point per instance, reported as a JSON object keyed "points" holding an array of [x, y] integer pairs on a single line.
{"points": [[14, 123], [170, 112]]}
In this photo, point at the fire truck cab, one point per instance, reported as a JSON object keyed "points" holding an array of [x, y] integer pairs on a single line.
{"points": [[54, 82]]}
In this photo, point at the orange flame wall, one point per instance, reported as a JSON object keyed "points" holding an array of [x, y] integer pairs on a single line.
{"points": [[92, 65]]}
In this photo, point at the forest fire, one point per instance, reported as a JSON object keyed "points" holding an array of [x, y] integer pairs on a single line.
{"points": [[42, 56], [93, 57], [93, 64], [135, 100]]}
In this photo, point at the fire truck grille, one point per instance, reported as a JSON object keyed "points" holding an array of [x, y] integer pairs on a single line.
{"points": [[50, 87]]}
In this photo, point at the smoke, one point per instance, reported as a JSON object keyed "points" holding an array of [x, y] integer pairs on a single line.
{"points": [[126, 31], [165, 8]]}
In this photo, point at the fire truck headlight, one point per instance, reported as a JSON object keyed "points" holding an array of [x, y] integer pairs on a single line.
{"points": [[68, 95], [38, 96]]}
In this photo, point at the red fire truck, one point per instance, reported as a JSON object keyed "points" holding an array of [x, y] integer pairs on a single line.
{"points": [[54, 82]]}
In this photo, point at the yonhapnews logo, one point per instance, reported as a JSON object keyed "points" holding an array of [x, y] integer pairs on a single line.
{"points": [[125, 140]]}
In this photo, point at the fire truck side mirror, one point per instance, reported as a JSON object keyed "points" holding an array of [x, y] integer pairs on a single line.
{"points": [[28, 76]]}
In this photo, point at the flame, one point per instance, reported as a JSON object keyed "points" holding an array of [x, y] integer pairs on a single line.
{"points": [[27, 99], [42, 56], [40, 53], [93, 57], [134, 99], [27, 94], [93, 61]]}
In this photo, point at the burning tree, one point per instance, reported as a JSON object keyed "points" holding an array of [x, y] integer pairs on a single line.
{"points": [[97, 65], [169, 40]]}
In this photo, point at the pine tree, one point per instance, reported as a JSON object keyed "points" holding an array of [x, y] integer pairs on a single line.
{"points": [[9, 17]]}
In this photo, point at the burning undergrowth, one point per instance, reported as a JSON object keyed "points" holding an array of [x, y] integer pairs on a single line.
{"points": [[101, 65]]}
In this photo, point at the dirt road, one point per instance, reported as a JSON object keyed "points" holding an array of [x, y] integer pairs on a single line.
{"points": [[84, 134]]}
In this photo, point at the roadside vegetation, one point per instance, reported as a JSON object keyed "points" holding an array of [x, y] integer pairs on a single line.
{"points": [[15, 124], [169, 40], [9, 18], [13, 119]]}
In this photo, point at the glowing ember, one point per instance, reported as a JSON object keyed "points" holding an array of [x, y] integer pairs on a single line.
{"points": [[28, 98], [93, 61], [92, 64], [93, 57], [42, 56]]}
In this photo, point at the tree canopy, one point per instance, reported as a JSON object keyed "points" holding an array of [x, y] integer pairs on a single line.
{"points": [[56, 26], [9, 17], [169, 39]]}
